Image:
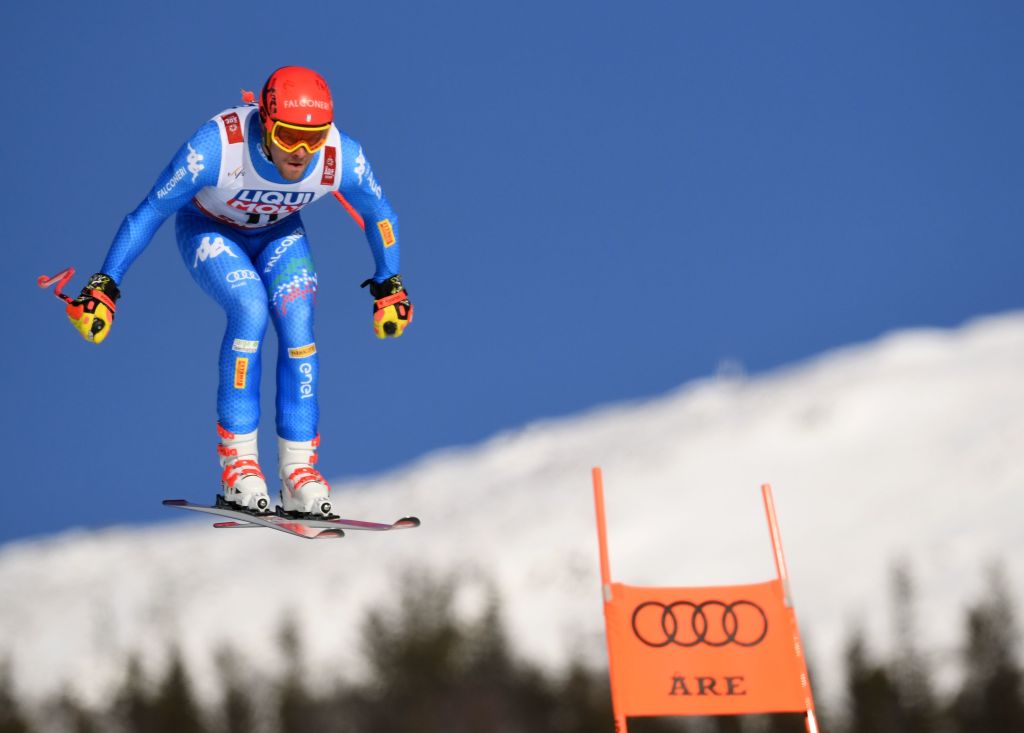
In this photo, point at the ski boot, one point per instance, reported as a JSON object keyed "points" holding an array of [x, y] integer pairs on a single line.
{"points": [[242, 481], [304, 492]]}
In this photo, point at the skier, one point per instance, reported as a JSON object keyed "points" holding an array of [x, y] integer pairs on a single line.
{"points": [[238, 185]]}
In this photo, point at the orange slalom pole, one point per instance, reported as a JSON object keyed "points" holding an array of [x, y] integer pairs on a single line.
{"points": [[602, 534], [773, 529], [810, 719], [606, 586]]}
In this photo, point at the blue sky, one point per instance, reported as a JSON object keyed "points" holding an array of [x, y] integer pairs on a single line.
{"points": [[599, 201]]}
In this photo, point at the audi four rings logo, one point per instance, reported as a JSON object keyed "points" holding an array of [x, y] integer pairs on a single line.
{"points": [[241, 275], [712, 623]]}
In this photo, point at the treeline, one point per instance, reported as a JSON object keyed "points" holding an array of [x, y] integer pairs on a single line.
{"points": [[429, 672]]}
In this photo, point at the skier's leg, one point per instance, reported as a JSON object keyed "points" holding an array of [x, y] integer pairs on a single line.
{"points": [[217, 260], [289, 275]]}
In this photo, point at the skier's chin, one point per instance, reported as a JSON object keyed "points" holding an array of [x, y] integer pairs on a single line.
{"points": [[292, 166], [293, 171]]}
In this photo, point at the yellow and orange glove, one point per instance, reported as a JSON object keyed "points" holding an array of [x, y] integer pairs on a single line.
{"points": [[92, 312], [392, 311]]}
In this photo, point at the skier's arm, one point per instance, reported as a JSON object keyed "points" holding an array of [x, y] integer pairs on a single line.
{"points": [[193, 167], [361, 194], [365, 201]]}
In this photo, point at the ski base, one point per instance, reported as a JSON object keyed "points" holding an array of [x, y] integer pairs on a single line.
{"points": [[307, 528]]}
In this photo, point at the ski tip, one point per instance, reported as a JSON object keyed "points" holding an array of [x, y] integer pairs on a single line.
{"points": [[175, 502], [407, 523]]}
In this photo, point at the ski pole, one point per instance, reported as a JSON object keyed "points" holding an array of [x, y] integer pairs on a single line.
{"points": [[61, 279]]}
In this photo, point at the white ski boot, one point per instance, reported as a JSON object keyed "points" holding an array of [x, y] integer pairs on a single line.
{"points": [[303, 489], [242, 481]]}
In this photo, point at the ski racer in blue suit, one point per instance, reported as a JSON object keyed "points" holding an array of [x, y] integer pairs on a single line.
{"points": [[237, 187]]}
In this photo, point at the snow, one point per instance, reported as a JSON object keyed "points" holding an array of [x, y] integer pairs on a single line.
{"points": [[904, 449]]}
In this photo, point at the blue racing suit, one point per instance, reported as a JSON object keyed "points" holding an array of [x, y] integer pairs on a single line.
{"points": [[241, 236]]}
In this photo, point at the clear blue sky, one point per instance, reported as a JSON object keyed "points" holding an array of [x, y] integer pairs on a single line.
{"points": [[599, 201]]}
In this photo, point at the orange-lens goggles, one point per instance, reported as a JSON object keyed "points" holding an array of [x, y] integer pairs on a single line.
{"points": [[292, 137]]}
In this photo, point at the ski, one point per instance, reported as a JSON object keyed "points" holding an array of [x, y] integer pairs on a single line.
{"points": [[311, 529]]}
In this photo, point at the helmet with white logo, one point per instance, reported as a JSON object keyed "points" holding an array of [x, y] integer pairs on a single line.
{"points": [[296, 109]]}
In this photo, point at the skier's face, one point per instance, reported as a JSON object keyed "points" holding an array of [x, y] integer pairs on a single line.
{"points": [[291, 165]]}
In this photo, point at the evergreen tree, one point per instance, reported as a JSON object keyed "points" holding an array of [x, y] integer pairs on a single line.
{"points": [[873, 704], [991, 695], [131, 711], [237, 705], [12, 719], [428, 672], [431, 672], [299, 710], [75, 717], [584, 703], [294, 702], [168, 708], [173, 708], [412, 659], [909, 670]]}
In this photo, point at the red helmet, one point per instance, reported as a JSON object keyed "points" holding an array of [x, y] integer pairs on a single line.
{"points": [[295, 95]]}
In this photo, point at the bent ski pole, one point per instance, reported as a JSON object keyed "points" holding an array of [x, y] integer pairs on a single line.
{"points": [[61, 279]]}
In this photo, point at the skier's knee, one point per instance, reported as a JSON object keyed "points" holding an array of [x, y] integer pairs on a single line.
{"points": [[249, 315]]}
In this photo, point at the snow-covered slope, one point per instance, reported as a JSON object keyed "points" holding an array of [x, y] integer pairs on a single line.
{"points": [[909, 447]]}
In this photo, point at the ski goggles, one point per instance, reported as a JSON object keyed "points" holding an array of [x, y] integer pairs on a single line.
{"points": [[292, 137]]}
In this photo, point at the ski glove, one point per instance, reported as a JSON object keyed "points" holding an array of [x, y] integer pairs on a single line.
{"points": [[92, 312], [392, 311]]}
